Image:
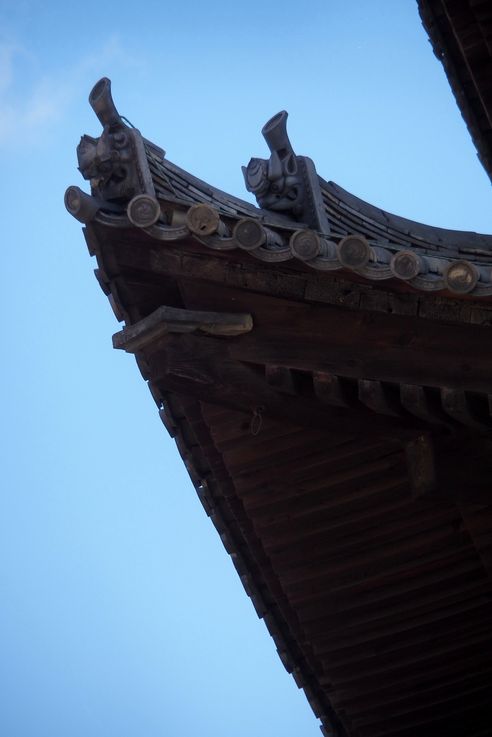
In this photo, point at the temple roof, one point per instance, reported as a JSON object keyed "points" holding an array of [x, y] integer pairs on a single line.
{"points": [[461, 35], [325, 368], [326, 228]]}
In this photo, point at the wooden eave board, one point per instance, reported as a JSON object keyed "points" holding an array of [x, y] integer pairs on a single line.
{"points": [[153, 260]]}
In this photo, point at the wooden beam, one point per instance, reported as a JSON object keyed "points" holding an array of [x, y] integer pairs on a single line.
{"points": [[360, 345], [420, 402], [131, 252], [478, 523], [456, 468], [332, 389], [378, 397], [175, 320], [458, 406], [205, 368], [280, 378]]}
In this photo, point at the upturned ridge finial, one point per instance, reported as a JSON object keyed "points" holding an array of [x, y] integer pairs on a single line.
{"points": [[285, 182], [101, 101], [116, 162]]}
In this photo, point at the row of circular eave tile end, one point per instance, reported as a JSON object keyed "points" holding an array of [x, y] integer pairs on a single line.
{"points": [[354, 252]]}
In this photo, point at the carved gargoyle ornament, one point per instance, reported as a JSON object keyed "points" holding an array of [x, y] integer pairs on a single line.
{"points": [[115, 163], [285, 182]]}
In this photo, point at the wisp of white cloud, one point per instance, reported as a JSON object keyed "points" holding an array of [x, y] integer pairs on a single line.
{"points": [[33, 103]]}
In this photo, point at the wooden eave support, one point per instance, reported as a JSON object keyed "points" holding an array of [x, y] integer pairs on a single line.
{"points": [[206, 368], [421, 403], [314, 360], [456, 468], [457, 405], [377, 396], [399, 349], [186, 354], [330, 389], [176, 320]]}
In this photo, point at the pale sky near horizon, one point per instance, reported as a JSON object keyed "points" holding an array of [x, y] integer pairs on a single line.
{"points": [[121, 614]]}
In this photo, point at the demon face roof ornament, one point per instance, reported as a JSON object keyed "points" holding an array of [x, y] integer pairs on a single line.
{"points": [[286, 183]]}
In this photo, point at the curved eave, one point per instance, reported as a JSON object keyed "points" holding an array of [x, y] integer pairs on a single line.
{"points": [[345, 212], [427, 239], [359, 408], [363, 240]]}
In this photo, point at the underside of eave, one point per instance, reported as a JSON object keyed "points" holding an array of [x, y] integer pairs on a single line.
{"points": [[387, 593], [189, 422], [336, 553], [461, 36]]}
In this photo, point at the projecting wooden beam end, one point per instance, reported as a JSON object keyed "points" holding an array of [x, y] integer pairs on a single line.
{"points": [[176, 320], [455, 468], [421, 465]]}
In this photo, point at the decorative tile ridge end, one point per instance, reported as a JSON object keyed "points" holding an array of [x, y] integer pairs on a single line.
{"points": [[286, 183], [123, 195], [115, 163]]}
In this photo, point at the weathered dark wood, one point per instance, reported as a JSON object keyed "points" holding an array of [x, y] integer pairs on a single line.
{"points": [[421, 465], [478, 610], [168, 422], [280, 378], [419, 401], [459, 406], [206, 369], [478, 521], [381, 562], [379, 397], [375, 600], [189, 262], [175, 320], [460, 34], [369, 537], [333, 390], [103, 281], [305, 468], [357, 345], [368, 561], [456, 468]]}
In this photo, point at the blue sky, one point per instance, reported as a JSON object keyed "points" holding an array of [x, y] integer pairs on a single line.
{"points": [[121, 614]]}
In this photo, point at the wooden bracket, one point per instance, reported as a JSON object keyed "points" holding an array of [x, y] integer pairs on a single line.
{"points": [[176, 320], [452, 468]]}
